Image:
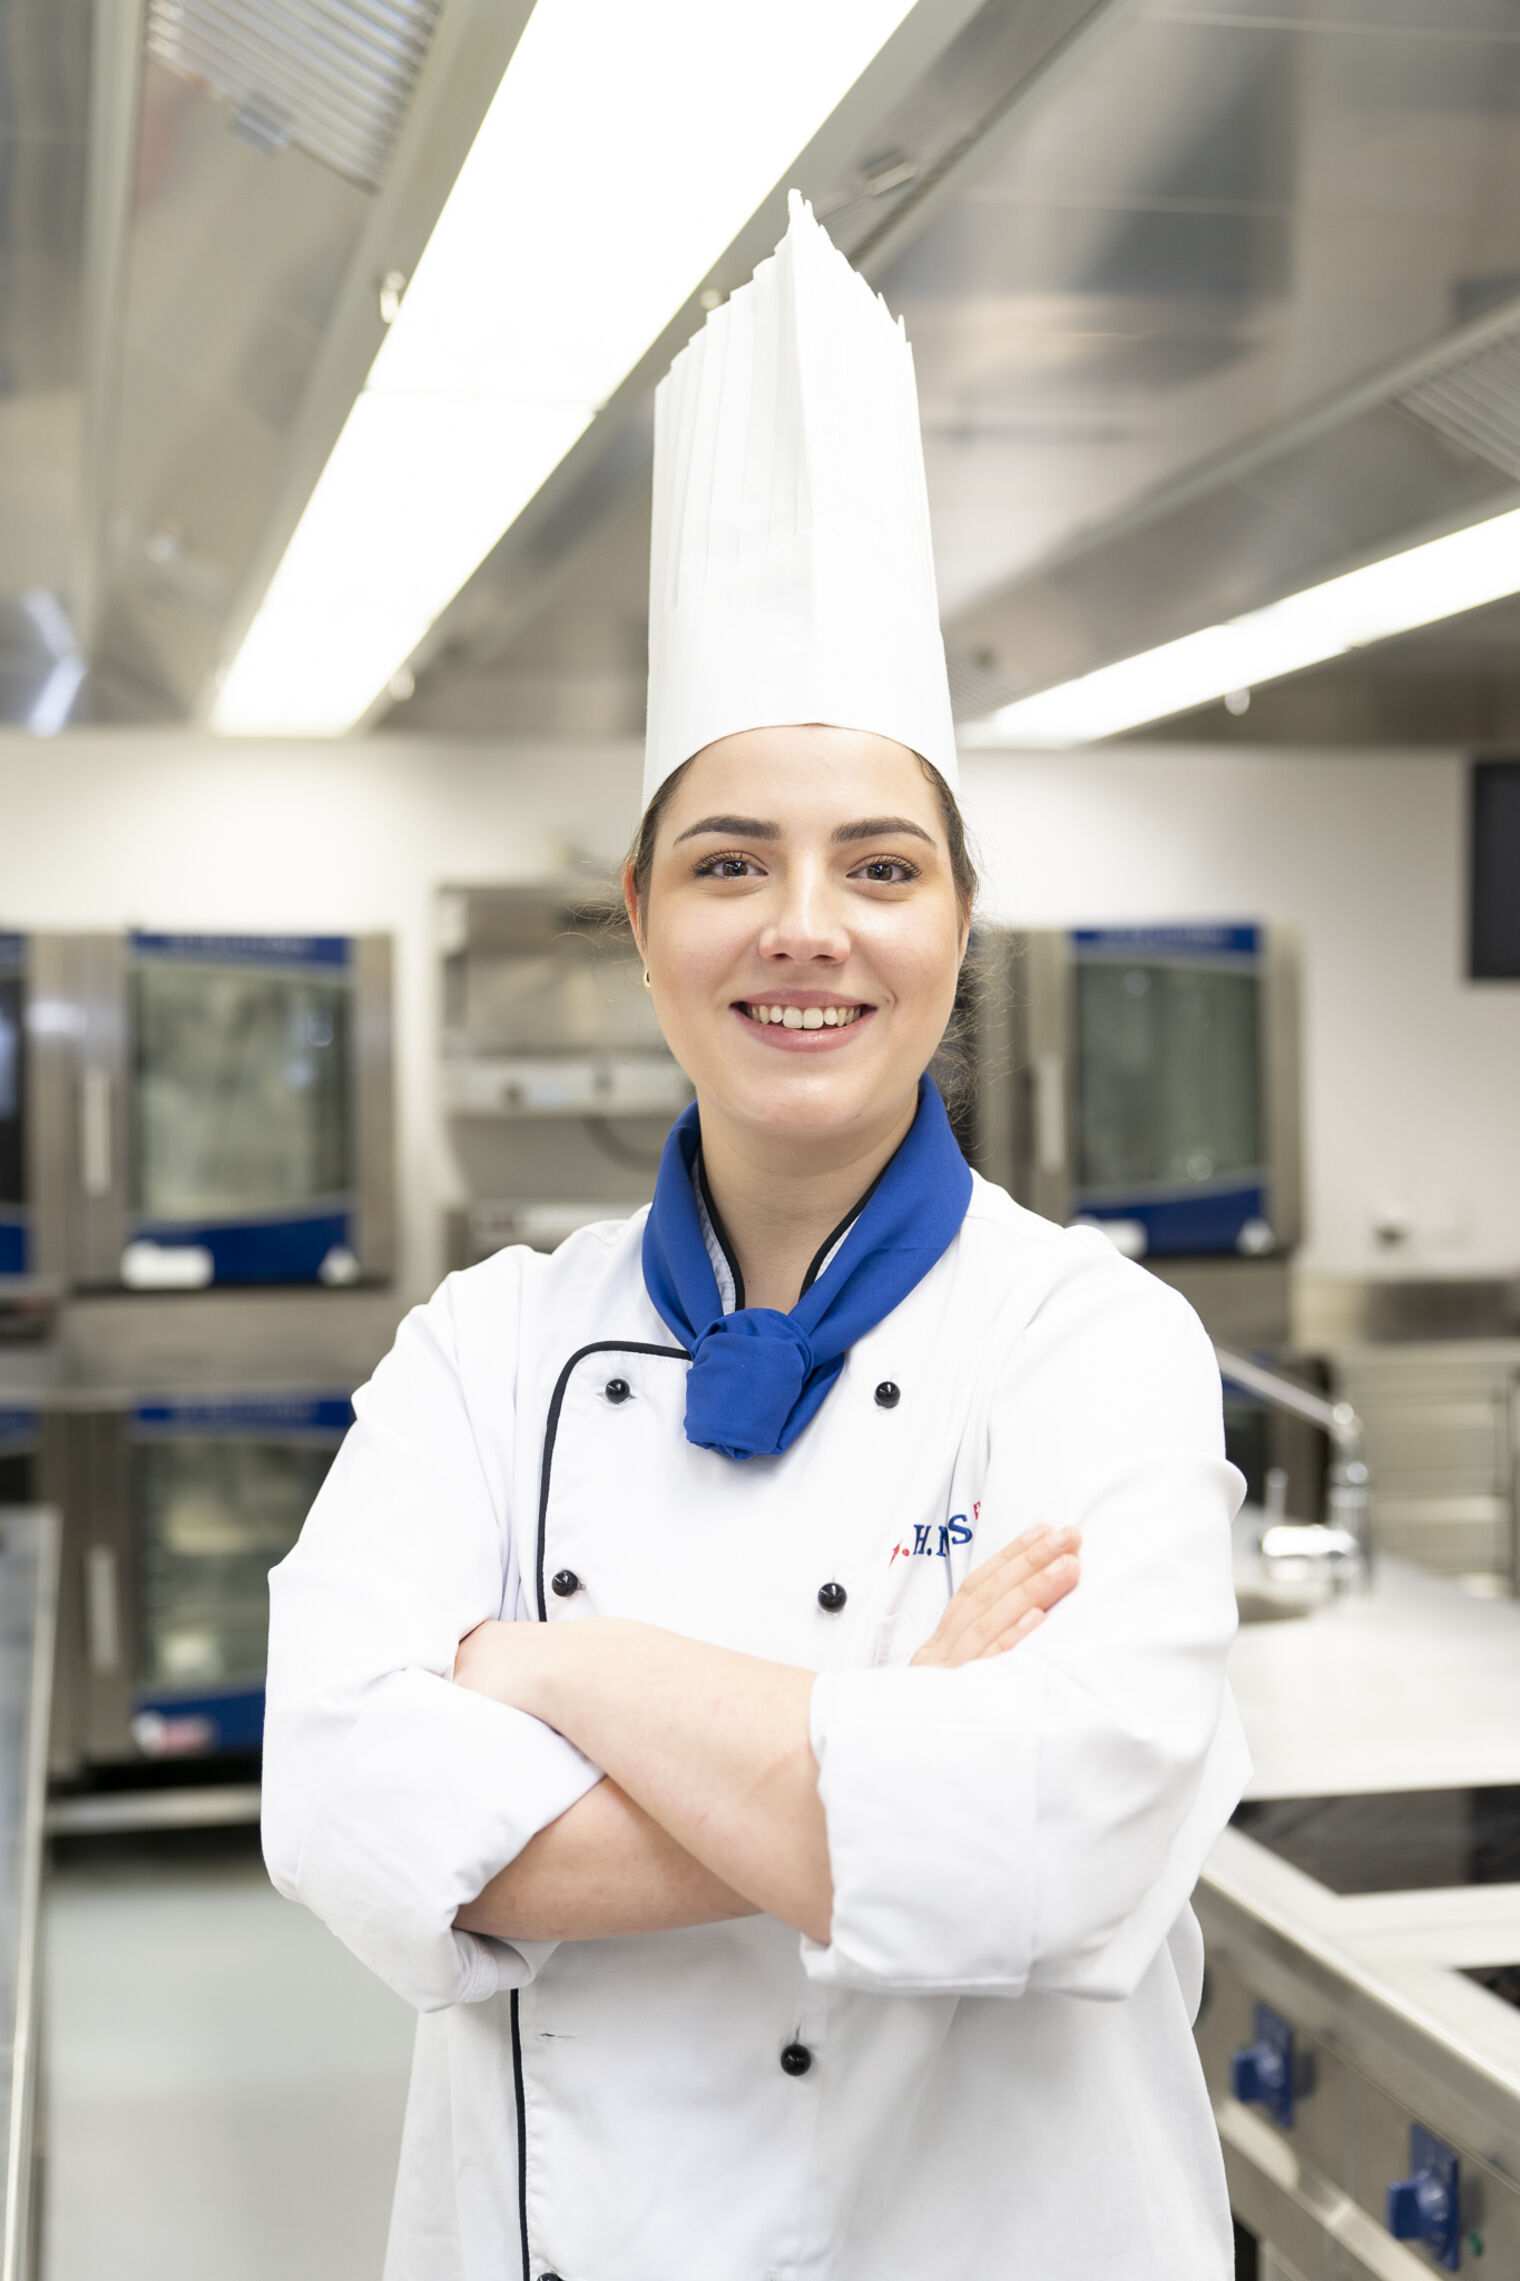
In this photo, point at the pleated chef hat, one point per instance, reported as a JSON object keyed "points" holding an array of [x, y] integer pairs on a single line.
{"points": [[791, 577]]}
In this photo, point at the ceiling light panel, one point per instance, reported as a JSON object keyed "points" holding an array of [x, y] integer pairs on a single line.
{"points": [[623, 152], [332, 76], [1417, 587]]}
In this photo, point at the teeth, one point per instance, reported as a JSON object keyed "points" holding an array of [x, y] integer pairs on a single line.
{"points": [[806, 1017]]}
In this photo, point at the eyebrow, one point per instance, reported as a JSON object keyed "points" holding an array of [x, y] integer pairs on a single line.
{"points": [[753, 828], [732, 827]]}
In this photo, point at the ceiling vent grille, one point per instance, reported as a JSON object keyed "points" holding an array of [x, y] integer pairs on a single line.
{"points": [[1476, 405], [332, 76]]}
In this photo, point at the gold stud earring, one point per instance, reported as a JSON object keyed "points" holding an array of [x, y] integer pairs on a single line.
{"points": [[648, 985]]}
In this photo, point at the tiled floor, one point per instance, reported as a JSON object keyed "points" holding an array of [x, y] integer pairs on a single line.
{"points": [[225, 2082]]}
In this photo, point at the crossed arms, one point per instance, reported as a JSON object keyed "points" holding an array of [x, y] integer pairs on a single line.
{"points": [[710, 1806]]}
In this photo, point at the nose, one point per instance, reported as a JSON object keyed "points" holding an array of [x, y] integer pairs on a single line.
{"points": [[805, 924]]}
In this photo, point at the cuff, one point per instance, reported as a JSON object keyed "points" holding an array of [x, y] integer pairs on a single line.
{"points": [[436, 1790], [928, 1785]]}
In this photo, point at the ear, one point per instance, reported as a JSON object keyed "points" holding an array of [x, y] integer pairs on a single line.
{"points": [[631, 906]]}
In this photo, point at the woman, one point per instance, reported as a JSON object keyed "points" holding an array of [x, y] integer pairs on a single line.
{"points": [[802, 1888]]}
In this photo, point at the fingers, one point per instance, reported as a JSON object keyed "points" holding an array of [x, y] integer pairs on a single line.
{"points": [[986, 1622]]}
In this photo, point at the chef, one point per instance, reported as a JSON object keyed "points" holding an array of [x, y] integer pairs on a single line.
{"points": [[684, 1690]]}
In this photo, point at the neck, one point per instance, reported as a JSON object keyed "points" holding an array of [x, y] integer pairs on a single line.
{"points": [[780, 1197]]}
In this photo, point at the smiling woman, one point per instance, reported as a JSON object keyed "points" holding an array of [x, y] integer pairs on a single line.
{"points": [[752, 1679]]}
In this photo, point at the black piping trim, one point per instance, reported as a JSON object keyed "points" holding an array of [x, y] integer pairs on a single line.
{"points": [[522, 2137], [546, 1468], [815, 1265], [721, 1232]]}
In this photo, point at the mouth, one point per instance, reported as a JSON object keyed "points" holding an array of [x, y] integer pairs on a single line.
{"points": [[793, 1027], [792, 1017]]}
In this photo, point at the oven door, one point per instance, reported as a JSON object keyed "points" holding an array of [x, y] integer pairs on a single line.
{"points": [[228, 1109], [218, 1495], [1168, 1103]]}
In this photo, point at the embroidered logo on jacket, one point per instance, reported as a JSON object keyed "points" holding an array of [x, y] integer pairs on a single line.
{"points": [[933, 1540]]}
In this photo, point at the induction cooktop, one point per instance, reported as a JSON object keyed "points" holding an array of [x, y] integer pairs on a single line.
{"points": [[1394, 1841]]}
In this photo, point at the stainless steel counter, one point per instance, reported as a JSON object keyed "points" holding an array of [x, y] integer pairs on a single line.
{"points": [[1411, 1688], [28, 1602]]}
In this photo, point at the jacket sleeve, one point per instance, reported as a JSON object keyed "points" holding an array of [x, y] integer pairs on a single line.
{"points": [[390, 1795], [1038, 1820]]}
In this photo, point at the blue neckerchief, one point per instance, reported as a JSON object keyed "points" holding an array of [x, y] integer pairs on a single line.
{"points": [[758, 1376]]}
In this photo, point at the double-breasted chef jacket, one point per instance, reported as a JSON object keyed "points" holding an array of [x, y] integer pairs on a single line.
{"points": [[989, 2070]]}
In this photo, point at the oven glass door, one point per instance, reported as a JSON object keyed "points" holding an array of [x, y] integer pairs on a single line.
{"points": [[219, 1495], [13, 1230], [242, 1140], [1169, 1109]]}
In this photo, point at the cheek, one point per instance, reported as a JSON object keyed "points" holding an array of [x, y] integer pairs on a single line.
{"points": [[920, 964]]}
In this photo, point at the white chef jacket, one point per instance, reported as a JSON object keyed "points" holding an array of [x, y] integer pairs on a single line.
{"points": [[1001, 2079]]}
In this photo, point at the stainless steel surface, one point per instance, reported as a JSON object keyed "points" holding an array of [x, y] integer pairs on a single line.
{"points": [[1244, 1302], [1190, 316], [1347, 1497], [557, 1086], [1413, 1687], [113, 1099], [211, 1805], [334, 76], [550, 632], [1440, 1421], [373, 1078], [44, 120], [28, 1601], [1027, 1125]]}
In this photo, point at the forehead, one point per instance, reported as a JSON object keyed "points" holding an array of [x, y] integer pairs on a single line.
{"points": [[805, 778]]}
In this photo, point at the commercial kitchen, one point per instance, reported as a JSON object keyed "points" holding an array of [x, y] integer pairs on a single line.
{"points": [[329, 338]]}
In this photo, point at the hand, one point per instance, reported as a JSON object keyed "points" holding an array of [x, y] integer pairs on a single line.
{"points": [[1005, 1599]]}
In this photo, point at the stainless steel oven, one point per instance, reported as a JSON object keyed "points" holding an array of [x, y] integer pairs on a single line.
{"points": [[1146, 1078], [202, 1109], [175, 1510]]}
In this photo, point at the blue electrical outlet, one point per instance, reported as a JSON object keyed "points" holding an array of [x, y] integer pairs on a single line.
{"points": [[1261, 2074], [1426, 2206]]}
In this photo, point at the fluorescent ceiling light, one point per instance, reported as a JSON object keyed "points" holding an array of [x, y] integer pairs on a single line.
{"points": [[1416, 588], [624, 150]]}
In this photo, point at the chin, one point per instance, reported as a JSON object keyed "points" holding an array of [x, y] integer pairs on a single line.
{"points": [[811, 1102]]}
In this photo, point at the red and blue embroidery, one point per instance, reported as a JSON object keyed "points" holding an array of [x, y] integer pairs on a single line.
{"points": [[934, 1540]]}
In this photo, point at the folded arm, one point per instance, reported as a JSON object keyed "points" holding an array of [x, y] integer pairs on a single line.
{"points": [[711, 1809]]}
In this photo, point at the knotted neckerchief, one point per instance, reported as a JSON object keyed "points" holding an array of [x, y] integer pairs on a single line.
{"points": [[757, 1376]]}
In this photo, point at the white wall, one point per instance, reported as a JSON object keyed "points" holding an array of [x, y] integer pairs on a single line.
{"points": [[1412, 1081]]}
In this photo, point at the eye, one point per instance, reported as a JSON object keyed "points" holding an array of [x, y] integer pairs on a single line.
{"points": [[729, 865], [887, 871]]}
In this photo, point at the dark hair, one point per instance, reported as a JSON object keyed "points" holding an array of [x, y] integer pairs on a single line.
{"points": [[640, 859]]}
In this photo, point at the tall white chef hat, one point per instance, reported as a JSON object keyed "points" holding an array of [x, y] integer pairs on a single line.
{"points": [[791, 577]]}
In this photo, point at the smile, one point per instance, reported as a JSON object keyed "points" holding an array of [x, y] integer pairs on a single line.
{"points": [[807, 1017]]}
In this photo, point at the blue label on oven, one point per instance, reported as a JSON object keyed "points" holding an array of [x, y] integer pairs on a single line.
{"points": [[197, 1726], [15, 1245], [260, 1251], [1202, 942], [247, 950], [18, 1429], [325, 1414], [1211, 1221]]}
